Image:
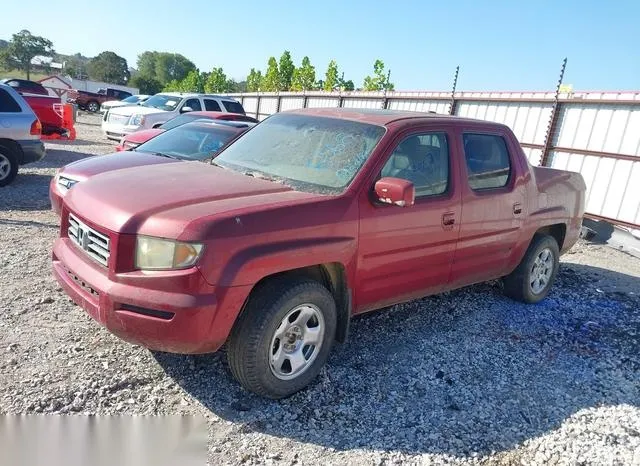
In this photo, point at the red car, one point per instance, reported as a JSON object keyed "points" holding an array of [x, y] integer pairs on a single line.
{"points": [[309, 218], [198, 140], [133, 140]]}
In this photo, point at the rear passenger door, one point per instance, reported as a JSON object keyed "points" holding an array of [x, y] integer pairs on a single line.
{"points": [[407, 252], [211, 105], [493, 207]]}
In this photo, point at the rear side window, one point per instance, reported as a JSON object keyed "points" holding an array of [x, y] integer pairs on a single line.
{"points": [[233, 107], [487, 158], [8, 103], [211, 105]]}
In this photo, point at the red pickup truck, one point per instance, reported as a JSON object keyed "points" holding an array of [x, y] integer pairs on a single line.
{"points": [[309, 218], [91, 101]]}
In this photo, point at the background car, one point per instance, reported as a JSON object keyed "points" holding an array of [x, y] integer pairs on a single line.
{"points": [[19, 134], [91, 101], [162, 107], [129, 101], [133, 140], [24, 86], [198, 140]]}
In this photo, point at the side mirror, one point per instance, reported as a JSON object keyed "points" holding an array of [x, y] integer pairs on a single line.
{"points": [[186, 109], [395, 191]]}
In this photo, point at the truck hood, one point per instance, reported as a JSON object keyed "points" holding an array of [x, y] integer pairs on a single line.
{"points": [[135, 110], [117, 103], [169, 200], [86, 168], [143, 135]]}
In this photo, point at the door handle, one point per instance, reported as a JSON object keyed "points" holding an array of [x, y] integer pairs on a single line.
{"points": [[448, 220], [517, 208]]}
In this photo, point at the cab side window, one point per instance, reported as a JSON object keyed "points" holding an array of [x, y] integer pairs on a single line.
{"points": [[422, 159], [487, 159]]}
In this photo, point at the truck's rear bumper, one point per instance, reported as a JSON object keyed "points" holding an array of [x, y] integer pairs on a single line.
{"points": [[32, 151], [194, 320]]}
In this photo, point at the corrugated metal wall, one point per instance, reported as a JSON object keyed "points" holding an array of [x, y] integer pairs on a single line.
{"points": [[596, 134]]}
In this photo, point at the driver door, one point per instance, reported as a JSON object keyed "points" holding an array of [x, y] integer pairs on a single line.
{"points": [[407, 252]]}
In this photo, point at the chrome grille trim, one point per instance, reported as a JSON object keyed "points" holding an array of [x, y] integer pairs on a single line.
{"points": [[94, 244]]}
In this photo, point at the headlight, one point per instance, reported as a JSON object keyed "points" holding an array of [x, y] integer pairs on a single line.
{"points": [[64, 183], [137, 120], [163, 254]]}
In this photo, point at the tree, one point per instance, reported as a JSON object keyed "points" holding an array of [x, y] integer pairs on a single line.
{"points": [[348, 86], [237, 86], [164, 67], [21, 49], [193, 82], [171, 66], [109, 67], [254, 80], [331, 76], [304, 77], [286, 71], [146, 85], [380, 80], [216, 81], [271, 80]]}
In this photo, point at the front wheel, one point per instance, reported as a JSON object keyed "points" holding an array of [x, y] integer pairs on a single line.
{"points": [[283, 338], [531, 281], [93, 106]]}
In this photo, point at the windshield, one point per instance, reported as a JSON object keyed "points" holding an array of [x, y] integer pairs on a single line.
{"points": [[179, 121], [193, 141], [163, 102], [131, 99], [308, 152]]}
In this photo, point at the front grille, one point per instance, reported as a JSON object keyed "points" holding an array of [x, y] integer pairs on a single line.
{"points": [[119, 119], [95, 244]]}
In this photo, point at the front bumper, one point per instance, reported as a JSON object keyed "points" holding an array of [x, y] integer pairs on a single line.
{"points": [[117, 130], [32, 151], [145, 308]]}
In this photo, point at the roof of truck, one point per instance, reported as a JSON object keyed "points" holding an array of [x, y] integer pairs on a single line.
{"points": [[378, 116]]}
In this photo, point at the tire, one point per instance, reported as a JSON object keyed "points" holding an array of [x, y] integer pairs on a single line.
{"points": [[8, 166], [541, 261], [93, 106], [261, 336]]}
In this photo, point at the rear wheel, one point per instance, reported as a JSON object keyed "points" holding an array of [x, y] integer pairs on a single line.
{"points": [[283, 338], [8, 165], [531, 281], [93, 106]]}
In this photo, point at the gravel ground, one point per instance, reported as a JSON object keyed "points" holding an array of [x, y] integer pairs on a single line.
{"points": [[467, 377]]}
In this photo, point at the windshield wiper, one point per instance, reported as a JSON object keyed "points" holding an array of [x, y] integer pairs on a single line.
{"points": [[262, 176], [161, 154]]}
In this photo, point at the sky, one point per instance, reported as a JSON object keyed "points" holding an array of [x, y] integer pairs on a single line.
{"points": [[515, 45]]}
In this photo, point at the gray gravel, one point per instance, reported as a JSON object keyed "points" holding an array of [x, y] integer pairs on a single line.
{"points": [[467, 377]]}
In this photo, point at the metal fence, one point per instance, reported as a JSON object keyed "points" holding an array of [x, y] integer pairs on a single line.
{"points": [[594, 133]]}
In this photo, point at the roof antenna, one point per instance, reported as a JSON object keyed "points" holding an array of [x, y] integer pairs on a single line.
{"points": [[452, 104]]}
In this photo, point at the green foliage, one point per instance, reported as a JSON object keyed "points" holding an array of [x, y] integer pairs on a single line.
{"points": [[148, 86], [193, 82], [331, 77], [164, 67], [271, 80], [304, 77], [286, 71], [254, 80], [380, 80], [109, 67], [216, 82], [21, 49]]}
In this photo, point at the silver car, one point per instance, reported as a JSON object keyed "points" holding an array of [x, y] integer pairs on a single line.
{"points": [[20, 132]]}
